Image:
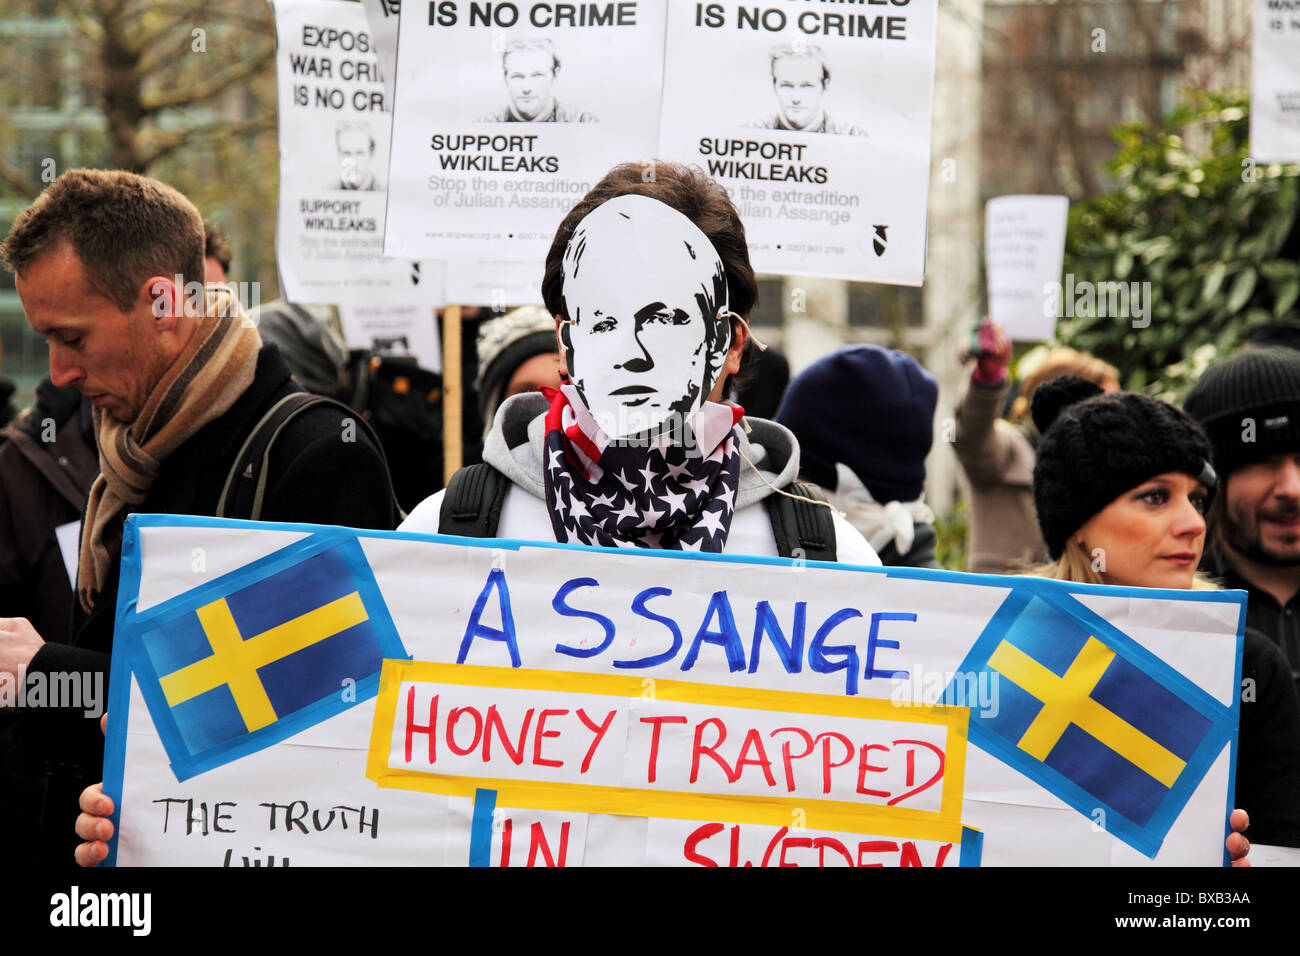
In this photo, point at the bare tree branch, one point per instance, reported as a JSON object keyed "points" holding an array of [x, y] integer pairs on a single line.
{"points": [[153, 53], [19, 182], [189, 137], [204, 91]]}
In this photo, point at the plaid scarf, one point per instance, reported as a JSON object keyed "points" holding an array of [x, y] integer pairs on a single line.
{"points": [[213, 370], [674, 496]]}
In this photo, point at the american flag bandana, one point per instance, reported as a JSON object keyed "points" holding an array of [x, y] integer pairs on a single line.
{"points": [[672, 495]]}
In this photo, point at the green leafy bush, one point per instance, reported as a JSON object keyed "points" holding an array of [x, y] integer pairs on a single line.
{"points": [[1215, 236]]}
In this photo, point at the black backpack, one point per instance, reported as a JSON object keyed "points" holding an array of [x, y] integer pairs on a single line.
{"points": [[245, 488], [471, 508]]}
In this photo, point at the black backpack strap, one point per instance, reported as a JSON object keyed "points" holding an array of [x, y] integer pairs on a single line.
{"points": [[245, 489], [802, 529], [471, 505]]}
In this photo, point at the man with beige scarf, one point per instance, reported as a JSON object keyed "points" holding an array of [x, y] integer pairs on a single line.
{"points": [[108, 266]]}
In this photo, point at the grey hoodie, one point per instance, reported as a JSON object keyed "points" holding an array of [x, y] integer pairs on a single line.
{"points": [[514, 448]]}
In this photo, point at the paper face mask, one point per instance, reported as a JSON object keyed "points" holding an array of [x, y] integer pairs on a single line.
{"points": [[643, 288]]}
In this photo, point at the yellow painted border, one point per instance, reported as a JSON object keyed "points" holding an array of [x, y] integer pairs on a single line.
{"points": [[943, 825]]}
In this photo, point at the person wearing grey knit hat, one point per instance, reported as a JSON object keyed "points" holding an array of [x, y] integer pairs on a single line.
{"points": [[516, 353], [1249, 405]]}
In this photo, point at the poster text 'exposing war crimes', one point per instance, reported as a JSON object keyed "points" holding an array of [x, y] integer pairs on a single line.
{"points": [[334, 131]]}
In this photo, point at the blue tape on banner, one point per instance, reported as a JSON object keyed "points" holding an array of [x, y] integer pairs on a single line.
{"points": [[972, 846], [260, 654], [1042, 643], [480, 834]]}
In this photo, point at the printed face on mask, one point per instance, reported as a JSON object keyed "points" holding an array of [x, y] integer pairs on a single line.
{"points": [[642, 289]]}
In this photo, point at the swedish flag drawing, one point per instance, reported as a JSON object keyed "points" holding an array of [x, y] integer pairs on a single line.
{"points": [[1093, 717], [262, 653]]}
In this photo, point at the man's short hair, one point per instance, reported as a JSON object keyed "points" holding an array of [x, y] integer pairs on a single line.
{"points": [[803, 51], [697, 197], [123, 227], [528, 46], [353, 126], [215, 245]]}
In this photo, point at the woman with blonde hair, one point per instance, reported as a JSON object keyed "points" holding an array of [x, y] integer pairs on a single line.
{"points": [[997, 456], [1121, 486]]}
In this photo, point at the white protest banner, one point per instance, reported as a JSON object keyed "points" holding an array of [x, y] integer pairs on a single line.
{"points": [[296, 695], [1024, 249], [1275, 82], [410, 330], [381, 18], [497, 285], [817, 120], [507, 113], [334, 129]]}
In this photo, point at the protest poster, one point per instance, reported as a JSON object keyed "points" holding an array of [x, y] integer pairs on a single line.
{"points": [[1275, 83], [817, 120], [381, 18], [294, 695], [1024, 250], [497, 285], [507, 113], [394, 330], [334, 131]]}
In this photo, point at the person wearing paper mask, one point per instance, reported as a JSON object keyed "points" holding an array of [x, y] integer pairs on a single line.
{"points": [[868, 455], [1122, 485], [648, 282]]}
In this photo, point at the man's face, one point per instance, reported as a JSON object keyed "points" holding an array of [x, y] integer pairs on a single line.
{"points": [[1262, 509], [534, 374], [529, 76], [111, 357], [213, 272], [640, 351], [798, 83], [355, 155]]}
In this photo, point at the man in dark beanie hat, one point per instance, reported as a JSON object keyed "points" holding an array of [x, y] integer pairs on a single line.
{"points": [[1249, 406], [864, 417]]}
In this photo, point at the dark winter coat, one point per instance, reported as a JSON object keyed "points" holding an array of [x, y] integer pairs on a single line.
{"points": [[314, 476]]}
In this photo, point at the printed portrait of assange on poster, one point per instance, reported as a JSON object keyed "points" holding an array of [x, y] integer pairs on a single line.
{"points": [[508, 113], [817, 120]]}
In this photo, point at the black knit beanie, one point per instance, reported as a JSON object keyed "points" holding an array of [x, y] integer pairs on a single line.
{"points": [[1249, 406], [1095, 447]]}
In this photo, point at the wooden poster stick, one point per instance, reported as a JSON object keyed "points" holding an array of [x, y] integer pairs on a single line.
{"points": [[451, 393]]}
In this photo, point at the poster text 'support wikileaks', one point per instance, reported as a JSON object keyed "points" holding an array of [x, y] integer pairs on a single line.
{"points": [[306, 695], [1275, 82], [507, 113], [816, 117], [334, 130]]}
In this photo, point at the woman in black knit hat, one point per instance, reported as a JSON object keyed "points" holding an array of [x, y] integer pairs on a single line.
{"points": [[1121, 485]]}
